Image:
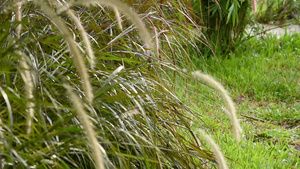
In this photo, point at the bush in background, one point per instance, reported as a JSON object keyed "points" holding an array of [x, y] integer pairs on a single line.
{"points": [[222, 22]]}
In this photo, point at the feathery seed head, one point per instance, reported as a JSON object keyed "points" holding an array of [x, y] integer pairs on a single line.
{"points": [[226, 98]]}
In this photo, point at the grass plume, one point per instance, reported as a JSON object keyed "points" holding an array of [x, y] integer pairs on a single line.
{"points": [[25, 72], [118, 17], [87, 125], [216, 149], [29, 87], [139, 121], [85, 39], [226, 98]]}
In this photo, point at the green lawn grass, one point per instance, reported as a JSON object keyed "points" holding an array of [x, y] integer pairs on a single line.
{"points": [[265, 68], [263, 78]]}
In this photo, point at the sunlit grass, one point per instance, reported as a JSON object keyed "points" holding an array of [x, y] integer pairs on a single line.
{"points": [[263, 77], [262, 69]]}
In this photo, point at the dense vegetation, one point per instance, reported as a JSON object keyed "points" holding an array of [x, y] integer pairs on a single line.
{"points": [[116, 85], [81, 88]]}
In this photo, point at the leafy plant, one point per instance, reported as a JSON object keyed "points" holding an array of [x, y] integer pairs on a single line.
{"points": [[222, 22]]}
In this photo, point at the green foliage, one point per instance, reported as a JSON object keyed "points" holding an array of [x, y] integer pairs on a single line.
{"points": [[258, 154], [278, 12], [223, 22], [263, 68]]}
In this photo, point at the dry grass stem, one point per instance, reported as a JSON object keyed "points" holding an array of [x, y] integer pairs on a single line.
{"points": [[156, 37], [77, 57], [226, 98], [216, 149], [87, 125]]}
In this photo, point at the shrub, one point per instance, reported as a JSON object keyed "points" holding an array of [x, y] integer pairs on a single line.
{"points": [[222, 22]]}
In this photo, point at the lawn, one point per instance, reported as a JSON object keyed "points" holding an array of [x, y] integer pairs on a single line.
{"points": [[263, 78]]}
